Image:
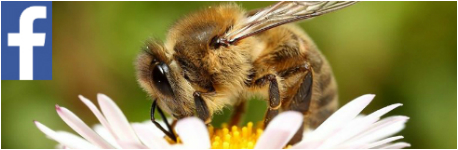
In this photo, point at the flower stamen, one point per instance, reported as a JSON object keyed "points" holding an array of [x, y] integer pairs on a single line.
{"points": [[244, 137]]}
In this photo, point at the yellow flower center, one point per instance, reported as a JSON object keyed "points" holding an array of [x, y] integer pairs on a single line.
{"points": [[235, 137]]}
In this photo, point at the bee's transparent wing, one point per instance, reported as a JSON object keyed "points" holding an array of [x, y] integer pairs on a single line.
{"points": [[279, 14]]}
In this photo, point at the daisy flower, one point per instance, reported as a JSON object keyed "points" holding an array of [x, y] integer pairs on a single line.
{"points": [[344, 129]]}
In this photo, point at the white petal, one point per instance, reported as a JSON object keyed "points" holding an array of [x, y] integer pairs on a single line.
{"points": [[118, 122], [342, 116], [382, 142], [193, 133], [64, 139], [280, 130], [178, 146], [75, 139], [379, 113], [131, 145], [105, 134], [310, 144], [149, 137], [97, 114], [381, 129], [397, 145], [60, 146], [336, 121], [357, 126], [153, 127], [81, 128]]}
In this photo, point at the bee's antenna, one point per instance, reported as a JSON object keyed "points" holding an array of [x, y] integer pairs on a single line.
{"points": [[169, 133]]}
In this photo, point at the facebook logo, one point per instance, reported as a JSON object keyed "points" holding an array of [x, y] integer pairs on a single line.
{"points": [[26, 40]]}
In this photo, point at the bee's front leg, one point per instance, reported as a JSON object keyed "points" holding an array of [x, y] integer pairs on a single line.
{"points": [[202, 111], [168, 133], [274, 96]]}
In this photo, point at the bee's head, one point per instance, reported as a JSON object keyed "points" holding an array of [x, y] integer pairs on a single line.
{"points": [[162, 79], [192, 61]]}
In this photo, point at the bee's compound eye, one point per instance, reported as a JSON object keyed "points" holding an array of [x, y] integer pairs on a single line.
{"points": [[160, 80]]}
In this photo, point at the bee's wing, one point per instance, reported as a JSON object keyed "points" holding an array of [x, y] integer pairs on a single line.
{"points": [[279, 14]]}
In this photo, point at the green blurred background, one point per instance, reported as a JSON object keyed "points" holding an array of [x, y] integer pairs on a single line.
{"points": [[401, 51]]}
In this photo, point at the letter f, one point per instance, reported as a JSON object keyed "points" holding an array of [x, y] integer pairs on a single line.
{"points": [[26, 39]]}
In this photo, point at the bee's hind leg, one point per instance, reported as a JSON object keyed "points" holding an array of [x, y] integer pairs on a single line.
{"points": [[274, 96], [301, 102]]}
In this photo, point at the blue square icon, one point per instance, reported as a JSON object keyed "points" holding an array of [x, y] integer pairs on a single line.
{"points": [[26, 40]]}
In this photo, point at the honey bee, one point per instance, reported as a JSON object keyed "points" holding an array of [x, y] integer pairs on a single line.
{"points": [[222, 55]]}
